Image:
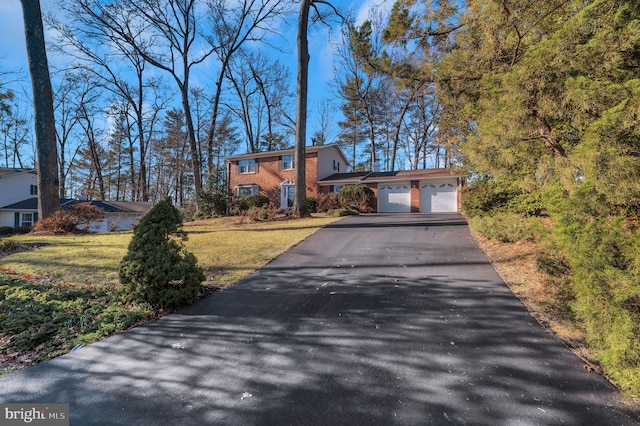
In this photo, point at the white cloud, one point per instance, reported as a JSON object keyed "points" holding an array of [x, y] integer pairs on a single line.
{"points": [[362, 14]]}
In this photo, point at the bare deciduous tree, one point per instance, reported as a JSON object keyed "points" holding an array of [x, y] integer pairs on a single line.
{"points": [[167, 35], [234, 24]]}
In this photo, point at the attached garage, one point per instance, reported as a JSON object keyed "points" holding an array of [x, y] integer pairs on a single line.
{"points": [[404, 191], [394, 197], [438, 197]]}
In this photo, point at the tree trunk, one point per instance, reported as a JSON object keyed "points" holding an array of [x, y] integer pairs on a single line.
{"points": [[300, 197], [48, 183]]}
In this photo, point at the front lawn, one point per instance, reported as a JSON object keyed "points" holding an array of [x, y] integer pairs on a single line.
{"points": [[64, 292]]}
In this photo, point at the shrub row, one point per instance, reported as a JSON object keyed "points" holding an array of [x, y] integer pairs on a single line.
{"points": [[591, 256]]}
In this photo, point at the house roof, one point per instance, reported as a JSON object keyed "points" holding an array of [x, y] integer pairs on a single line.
{"points": [[107, 206], [314, 148], [353, 177], [28, 204], [373, 177], [7, 171]]}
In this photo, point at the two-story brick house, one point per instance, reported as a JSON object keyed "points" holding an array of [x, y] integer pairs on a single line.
{"points": [[273, 174]]}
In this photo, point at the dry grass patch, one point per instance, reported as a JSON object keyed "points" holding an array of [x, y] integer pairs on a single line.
{"points": [[230, 249]]}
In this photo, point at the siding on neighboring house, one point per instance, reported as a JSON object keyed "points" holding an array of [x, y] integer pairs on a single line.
{"points": [[17, 185], [18, 193]]}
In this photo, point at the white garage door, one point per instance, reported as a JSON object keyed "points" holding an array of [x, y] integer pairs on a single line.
{"points": [[438, 197], [394, 198]]}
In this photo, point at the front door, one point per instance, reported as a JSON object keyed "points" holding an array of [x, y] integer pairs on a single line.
{"points": [[287, 193]]}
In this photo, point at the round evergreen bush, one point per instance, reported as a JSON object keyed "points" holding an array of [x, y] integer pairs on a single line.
{"points": [[357, 197], [312, 205], [257, 200], [157, 269]]}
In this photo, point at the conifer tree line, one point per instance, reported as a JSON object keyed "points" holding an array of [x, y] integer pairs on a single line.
{"points": [[540, 100]]}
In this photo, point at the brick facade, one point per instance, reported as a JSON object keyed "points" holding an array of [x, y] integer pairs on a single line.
{"points": [[269, 176], [325, 169]]}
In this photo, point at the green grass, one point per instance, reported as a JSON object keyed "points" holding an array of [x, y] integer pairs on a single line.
{"points": [[226, 252], [66, 293]]}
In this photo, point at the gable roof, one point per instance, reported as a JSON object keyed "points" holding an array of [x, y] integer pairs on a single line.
{"points": [[288, 151]]}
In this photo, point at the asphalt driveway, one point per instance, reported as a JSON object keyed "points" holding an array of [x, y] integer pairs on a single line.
{"points": [[382, 319]]}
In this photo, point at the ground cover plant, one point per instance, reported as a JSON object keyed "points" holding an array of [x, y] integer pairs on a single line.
{"points": [[41, 319], [61, 291]]}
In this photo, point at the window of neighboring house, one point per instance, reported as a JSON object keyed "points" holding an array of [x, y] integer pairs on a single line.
{"points": [[288, 162], [336, 166], [337, 188], [242, 190], [33, 190], [26, 219], [247, 166]]}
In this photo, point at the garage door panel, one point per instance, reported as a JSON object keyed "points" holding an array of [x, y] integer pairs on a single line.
{"points": [[394, 198], [438, 197]]}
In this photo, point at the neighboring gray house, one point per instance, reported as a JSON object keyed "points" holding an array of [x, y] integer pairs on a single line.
{"points": [[17, 185], [19, 204]]}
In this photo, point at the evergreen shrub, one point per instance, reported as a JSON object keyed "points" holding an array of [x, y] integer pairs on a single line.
{"points": [[604, 255], [489, 196], [157, 269], [504, 227], [312, 205], [357, 197], [239, 206], [212, 204]]}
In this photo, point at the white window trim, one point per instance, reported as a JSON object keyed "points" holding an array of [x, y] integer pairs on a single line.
{"points": [[283, 193], [292, 162], [23, 219], [250, 167], [254, 188]]}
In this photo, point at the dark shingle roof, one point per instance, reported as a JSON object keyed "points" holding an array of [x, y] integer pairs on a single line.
{"points": [[341, 177], [29, 204], [107, 206], [387, 176], [6, 171]]}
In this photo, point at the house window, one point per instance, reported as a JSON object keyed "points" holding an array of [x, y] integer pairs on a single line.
{"points": [[337, 188], [247, 166], [33, 189], [26, 219], [288, 162], [336, 166], [242, 190]]}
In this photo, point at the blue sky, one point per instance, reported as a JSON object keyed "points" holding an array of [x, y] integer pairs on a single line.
{"points": [[13, 57]]}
